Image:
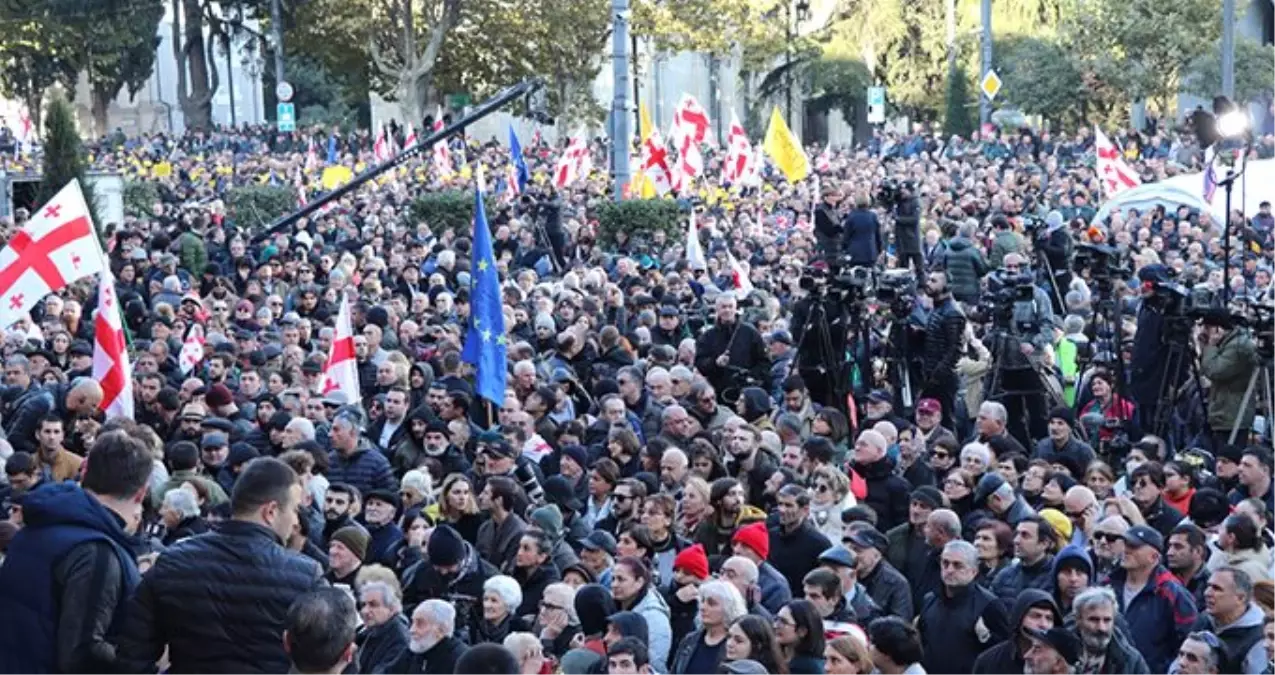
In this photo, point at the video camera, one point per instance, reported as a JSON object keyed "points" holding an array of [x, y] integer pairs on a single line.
{"points": [[890, 193], [1104, 263], [1004, 290]]}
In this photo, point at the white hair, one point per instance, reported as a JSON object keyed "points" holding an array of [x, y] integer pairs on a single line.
{"points": [[521, 644], [657, 375], [748, 568], [389, 595], [302, 426], [681, 372], [439, 613], [677, 456], [978, 450], [964, 549], [733, 605], [419, 480], [994, 410], [182, 501], [446, 257], [506, 589], [524, 367]]}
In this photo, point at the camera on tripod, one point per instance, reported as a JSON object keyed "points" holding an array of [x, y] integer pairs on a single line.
{"points": [[890, 193], [1104, 263], [896, 288]]}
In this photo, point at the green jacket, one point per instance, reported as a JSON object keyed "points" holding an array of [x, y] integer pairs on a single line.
{"points": [[1006, 242], [1228, 366], [216, 495], [193, 254]]}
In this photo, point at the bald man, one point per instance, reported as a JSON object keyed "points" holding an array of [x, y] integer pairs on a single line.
{"points": [[71, 401]]}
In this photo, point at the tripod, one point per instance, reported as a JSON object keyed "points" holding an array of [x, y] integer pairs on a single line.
{"points": [[817, 360], [1020, 397], [1172, 395], [1265, 396]]}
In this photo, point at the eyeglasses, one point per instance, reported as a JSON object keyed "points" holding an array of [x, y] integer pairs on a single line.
{"points": [[1109, 537], [784, 621], [622, 498], [551, 607], [941, 455], [957, 482]]}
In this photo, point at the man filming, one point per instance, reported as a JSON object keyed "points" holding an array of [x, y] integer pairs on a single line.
{"points": [[1055, 243], [730, 344], [1020, 387], [943, 332], [1228, 357]]}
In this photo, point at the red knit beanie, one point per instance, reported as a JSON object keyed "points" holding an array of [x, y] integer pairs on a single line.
{"points": [[693, 561], [755, 537]]}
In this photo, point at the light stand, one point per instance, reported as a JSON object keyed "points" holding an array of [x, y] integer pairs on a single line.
{"points": [[1227, 123]]}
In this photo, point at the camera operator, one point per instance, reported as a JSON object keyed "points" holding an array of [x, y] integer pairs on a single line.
{"points": [[943, 331], [1056, 245], [730, 343], [1228, 356], [1031, 332], [828, 225], [907, 231], [863, 241], [1150, 354]]}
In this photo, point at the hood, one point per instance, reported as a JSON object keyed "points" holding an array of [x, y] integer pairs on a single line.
{"points": [[1253, 616], [594, 604], [1074, 552], [631, 624], [421, 412], [959, 244], [756, 402], [1033, 597], [68, 504]]}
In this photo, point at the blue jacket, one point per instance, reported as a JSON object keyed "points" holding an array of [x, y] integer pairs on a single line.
{"points": [[61, 518], [367, 469], [1159, 617]]}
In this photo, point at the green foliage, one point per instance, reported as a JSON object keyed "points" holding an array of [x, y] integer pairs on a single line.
{"points": [[37, 50], [255, 206], [1254, 71], [1041, 78], [321, 96], [451, 210], [121, 49], [63, 155], [639, 218], [139, 197], [958, 119]]}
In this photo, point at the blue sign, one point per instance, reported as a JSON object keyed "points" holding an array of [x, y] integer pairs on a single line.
{"points": [[286, 114]]}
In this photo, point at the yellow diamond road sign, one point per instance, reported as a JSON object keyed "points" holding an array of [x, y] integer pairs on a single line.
{"points": [[991, 84]]}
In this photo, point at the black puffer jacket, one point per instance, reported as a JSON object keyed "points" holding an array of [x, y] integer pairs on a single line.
{"points": [[382, 646], [965, 269], [943, 333], [888, 494], [218, 602], [1007, 656], [464, 590]]}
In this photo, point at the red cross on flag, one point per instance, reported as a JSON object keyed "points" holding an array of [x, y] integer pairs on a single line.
{"points": [[655, 163], [739, 152], [57, 247], [690, 130], [341, 371], [110, 352], [575, 163], [192, 349], [442, 154], [739, 278], [410, 140], [381, 148], [1116, 174]]}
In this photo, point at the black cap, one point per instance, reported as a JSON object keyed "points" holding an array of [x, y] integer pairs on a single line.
{"points": [[989, 483], [880, 396], [599, 540], [387, 496], [500, 448], [1144, 535], [81, 348], [868, 537], [668, 310], [930, 497], [1060, 640], [558, 491]]}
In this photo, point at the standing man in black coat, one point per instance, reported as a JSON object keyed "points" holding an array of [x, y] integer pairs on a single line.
{"points": [[433, 648], [828, 225], [795, 543], [907, 231], [862, 238], [730, 344], [962, 619], [219, 602], [944, 331]]}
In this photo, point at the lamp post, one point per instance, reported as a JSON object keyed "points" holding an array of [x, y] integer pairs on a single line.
{"points": [[254, 65], [794, 14]]}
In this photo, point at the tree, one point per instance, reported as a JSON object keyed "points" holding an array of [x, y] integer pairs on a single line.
{"points": [[63, 155], [38, 50], [408, 50], [957, 120], [1041, 78], [1254, 71], [120, 52]]}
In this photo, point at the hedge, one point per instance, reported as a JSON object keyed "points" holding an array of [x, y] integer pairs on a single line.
{"points": [[256, 206], [140, 198], [451, 210], [639, 218]]}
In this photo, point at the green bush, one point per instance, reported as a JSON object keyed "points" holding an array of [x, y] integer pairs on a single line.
{"points": [[256, 206], [139, 197], [639, 218], [451, 210]]}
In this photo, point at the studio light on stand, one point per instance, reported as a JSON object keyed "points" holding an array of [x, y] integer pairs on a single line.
{"points": [[1227, 128]]}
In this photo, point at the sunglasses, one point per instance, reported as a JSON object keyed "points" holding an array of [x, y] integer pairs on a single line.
{"points": [[942, 455], [1109, 537]]}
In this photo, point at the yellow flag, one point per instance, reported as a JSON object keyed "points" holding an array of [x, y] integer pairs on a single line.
{"points": [[336, 176], [784, 148], [641, 185], [162, 170]]}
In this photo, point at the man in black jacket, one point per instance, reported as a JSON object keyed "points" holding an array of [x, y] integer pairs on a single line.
{"points": [[944, 331], [384, 636], [795, 543], [1033, 609], [433, 648], [451, 570], [907, 231], [888, 588], [730, 344], [961, 619], [219, 602], [70, 401], [888, 494], [71, 569], [863, 239], [828, 225]]}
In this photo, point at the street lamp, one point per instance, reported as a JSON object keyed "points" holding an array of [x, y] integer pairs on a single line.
{"points": [[254, 66], [800, 11], [1228, 125]]}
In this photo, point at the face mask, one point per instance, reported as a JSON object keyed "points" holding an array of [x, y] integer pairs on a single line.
{"points": [[1130, 465]]}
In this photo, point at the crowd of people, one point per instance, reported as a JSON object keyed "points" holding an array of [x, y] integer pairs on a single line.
{"points": [[977, 474]]}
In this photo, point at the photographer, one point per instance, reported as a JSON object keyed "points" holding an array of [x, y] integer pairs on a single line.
{"points": [[1054, 242], [730, 343], [863, 241], [828, 224], [907, 230], [943, 331], [1228, 356], [1030, 332], [1147, 376]]}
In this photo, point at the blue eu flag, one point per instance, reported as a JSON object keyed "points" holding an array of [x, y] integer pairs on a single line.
{"points": [[520, 167], [332, 155], [485, 343]]}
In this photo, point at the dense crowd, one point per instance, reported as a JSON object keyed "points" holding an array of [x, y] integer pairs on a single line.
{"points": [[987, 470]]}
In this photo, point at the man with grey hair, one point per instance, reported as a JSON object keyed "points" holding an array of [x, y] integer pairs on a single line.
{"points": [[638, 400], [1231, 614], [1103, 648], [682, 379], [353, 461], [557, 620], [180, 515], [674, 468], [660, 385], [962, 619], [298, 430], [385, 635], [743, 574], [675, 424], [993, 423], [941, 526], [432, 645]]}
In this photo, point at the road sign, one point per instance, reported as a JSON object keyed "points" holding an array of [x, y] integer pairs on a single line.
{"points": [[283, 91], [286, 114], [876, 105], [991, 85]]}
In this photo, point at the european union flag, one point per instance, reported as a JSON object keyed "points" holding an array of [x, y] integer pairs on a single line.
{"points": [[520, 167], [485, 343], [332, 155]]}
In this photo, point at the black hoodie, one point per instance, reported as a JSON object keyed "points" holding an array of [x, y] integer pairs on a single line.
{"points": [[1007, 656]]}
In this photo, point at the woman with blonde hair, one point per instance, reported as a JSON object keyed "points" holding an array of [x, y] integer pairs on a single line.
{"points": [[694, 506], [457, 506], [847, 655], [831, 496]]}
